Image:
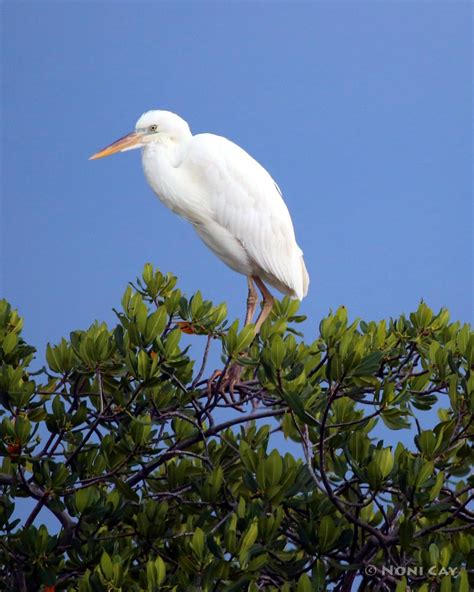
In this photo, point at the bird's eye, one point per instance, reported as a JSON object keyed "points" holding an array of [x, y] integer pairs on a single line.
{"points": [[153, 128]]}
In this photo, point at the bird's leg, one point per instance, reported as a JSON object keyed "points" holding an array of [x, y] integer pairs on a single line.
{"points": [[235, 370], [233, 373], [220, 382], [267, 304], [252, 301]]}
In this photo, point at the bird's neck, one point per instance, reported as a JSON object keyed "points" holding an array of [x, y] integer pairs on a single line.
{"points": [[161, 162], [170, 151]]}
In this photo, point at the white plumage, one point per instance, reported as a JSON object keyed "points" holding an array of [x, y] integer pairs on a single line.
{"points": [[230, 199]]}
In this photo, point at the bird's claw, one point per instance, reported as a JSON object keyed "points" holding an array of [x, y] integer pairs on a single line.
{"points": [[226, 383], [211, 382], [230, 380]]}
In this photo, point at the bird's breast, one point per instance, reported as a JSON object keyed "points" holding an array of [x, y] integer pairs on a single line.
{"points": [[172, 183]]}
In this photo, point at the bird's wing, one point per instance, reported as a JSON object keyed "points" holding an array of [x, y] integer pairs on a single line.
{"points": [[242, 197]]}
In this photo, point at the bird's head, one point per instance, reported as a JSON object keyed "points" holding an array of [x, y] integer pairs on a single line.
{"points": [[152, 126]]}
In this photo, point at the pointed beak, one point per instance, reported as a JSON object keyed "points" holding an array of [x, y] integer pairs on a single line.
{"points": [[128, 142]]}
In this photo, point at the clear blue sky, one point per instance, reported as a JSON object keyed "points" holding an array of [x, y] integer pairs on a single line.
{"points": [[360, 111]]}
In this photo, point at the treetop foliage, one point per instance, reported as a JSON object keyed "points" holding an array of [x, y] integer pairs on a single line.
{"points": [[156, 477]]}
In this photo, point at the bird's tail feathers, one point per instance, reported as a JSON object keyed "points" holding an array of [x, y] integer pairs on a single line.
{"points": [[305, 274]]}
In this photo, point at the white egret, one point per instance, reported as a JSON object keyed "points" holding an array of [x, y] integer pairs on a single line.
{"points": [[231, 200]]}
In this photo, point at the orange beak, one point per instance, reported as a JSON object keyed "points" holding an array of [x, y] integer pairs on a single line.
{"points": [[128, 142]]}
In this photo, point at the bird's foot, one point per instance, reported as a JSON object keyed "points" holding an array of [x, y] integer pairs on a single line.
{"points": [[225, 383], [212, 384], [230, 380]]}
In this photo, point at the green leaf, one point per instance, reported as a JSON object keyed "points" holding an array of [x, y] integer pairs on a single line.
{"points": [[426, 442], [216, 479], [359, 446], [245, 337], [106, 566], [384, 461], [9, 343], [257, 563], [171, 343], [335, 369], [445, 555], [230, 537], [161, 570], [369, 365], [59, 411], [296, 405], [151, 576], [434, 553], [196, 304], [425, 473], [38, 414], [304, 584], [394, 419], [277, 351], [51, 358], [22, 429], [402, 585], [273, 468], [434, 492], [144, 363], [248, 456], [248, 540], [327, 533], [155, 324], [83, 497], [197, 543], [446, 584], [406, 531], [230, 339], [463, 581], [126, 490]]}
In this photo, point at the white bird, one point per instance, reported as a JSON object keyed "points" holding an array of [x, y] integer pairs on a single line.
{"points": [[231, 200]]}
